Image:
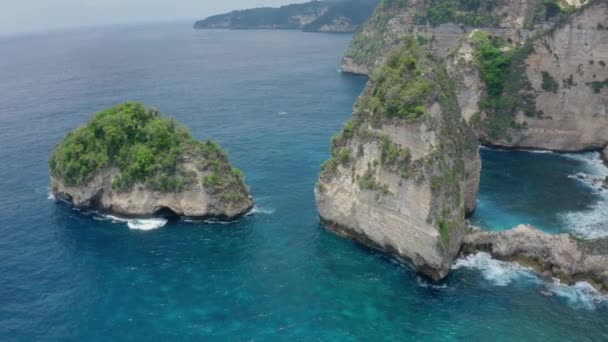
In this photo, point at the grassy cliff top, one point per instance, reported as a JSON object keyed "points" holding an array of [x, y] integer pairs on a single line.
{"points": [[145, 147]]}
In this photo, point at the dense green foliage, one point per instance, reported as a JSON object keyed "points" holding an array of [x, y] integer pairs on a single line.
{"points": [[286, 17], [401, 86], [508, 90], [475, 13], [137, 141]]}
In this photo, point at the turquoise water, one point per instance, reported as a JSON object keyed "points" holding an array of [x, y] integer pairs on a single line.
{"points": [[273, 99]]}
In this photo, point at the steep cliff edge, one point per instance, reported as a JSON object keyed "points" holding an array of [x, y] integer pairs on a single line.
{"points": [[558, 256], [441, 23], [528, 73], [405, 169], [549, 93], [128, 160]]}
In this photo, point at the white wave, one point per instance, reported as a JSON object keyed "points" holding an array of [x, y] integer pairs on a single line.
{"points": [[592, 163], [588, 224], [499, 273], [593, 222], [503, 273], [498, 149], [426, 284], [51, 197], [580, 295], [138, 224], [259, 210], [147, 224], [283, 113]]}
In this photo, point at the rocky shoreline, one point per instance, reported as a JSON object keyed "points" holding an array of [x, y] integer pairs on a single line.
{"points": [[559, 256]]}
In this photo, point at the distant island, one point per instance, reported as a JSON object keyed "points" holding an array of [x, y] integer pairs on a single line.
{"points": [[341, 16], [130, 161]]}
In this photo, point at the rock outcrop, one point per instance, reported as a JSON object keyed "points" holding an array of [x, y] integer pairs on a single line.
{"points": [[440, 23], [605, 155], [554, 93], [344, 16], [405, 169], [131, 162], [559, 256]]}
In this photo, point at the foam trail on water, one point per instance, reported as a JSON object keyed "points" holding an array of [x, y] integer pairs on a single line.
{"points": [[427, 285], [138, 224], [593, 222], [502, 273], [259, 210], [580, 295], [499, 273], [146, 224]]}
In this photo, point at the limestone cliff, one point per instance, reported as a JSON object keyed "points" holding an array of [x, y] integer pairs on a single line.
{"points": [[405, 169], [441, 23], [528, 73], [131, 162], [558, 256]]}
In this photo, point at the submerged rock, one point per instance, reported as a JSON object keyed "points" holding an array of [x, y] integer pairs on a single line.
{"points": [[129, 161], [405, 169], [560, 256]]}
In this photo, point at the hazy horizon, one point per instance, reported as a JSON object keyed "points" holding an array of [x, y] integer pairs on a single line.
{"points": [[35, 16]]}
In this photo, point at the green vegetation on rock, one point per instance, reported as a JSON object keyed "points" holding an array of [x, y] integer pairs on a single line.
{"points": [[143, 146], [474, 13], [549, 83], [400, 87], [508, 90]]}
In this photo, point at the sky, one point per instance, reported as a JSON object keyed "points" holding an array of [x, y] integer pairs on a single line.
{"points": [[42, 15]]}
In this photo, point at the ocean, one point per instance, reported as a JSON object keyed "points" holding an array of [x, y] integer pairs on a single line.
{"points": [[272, 99]]}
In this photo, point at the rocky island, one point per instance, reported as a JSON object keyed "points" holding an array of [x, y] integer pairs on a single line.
{"points": [[342, 16], [130, 161], [405, 169]]}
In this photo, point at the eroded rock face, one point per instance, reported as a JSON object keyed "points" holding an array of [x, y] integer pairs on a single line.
{"points": [[402, 183], [560, 256], [568, 72], [197, 201], [558, 79], [393, 20]]}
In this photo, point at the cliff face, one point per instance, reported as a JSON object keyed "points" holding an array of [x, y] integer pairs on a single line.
{"points": [[196, 201], [559, 256], [315, 16], [405, 169], [130, 161], [528, 74], [441, 23]]}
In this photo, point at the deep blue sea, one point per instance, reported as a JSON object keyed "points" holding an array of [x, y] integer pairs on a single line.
{"points": [[273, 99]]}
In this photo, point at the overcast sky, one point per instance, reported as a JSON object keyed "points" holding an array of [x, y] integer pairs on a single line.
{"points": [[41, 15]]}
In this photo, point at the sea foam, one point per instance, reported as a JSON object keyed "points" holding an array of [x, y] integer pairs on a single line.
{"points": [[593, 222], [580, 295], [137, 224], [496, 272]]}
